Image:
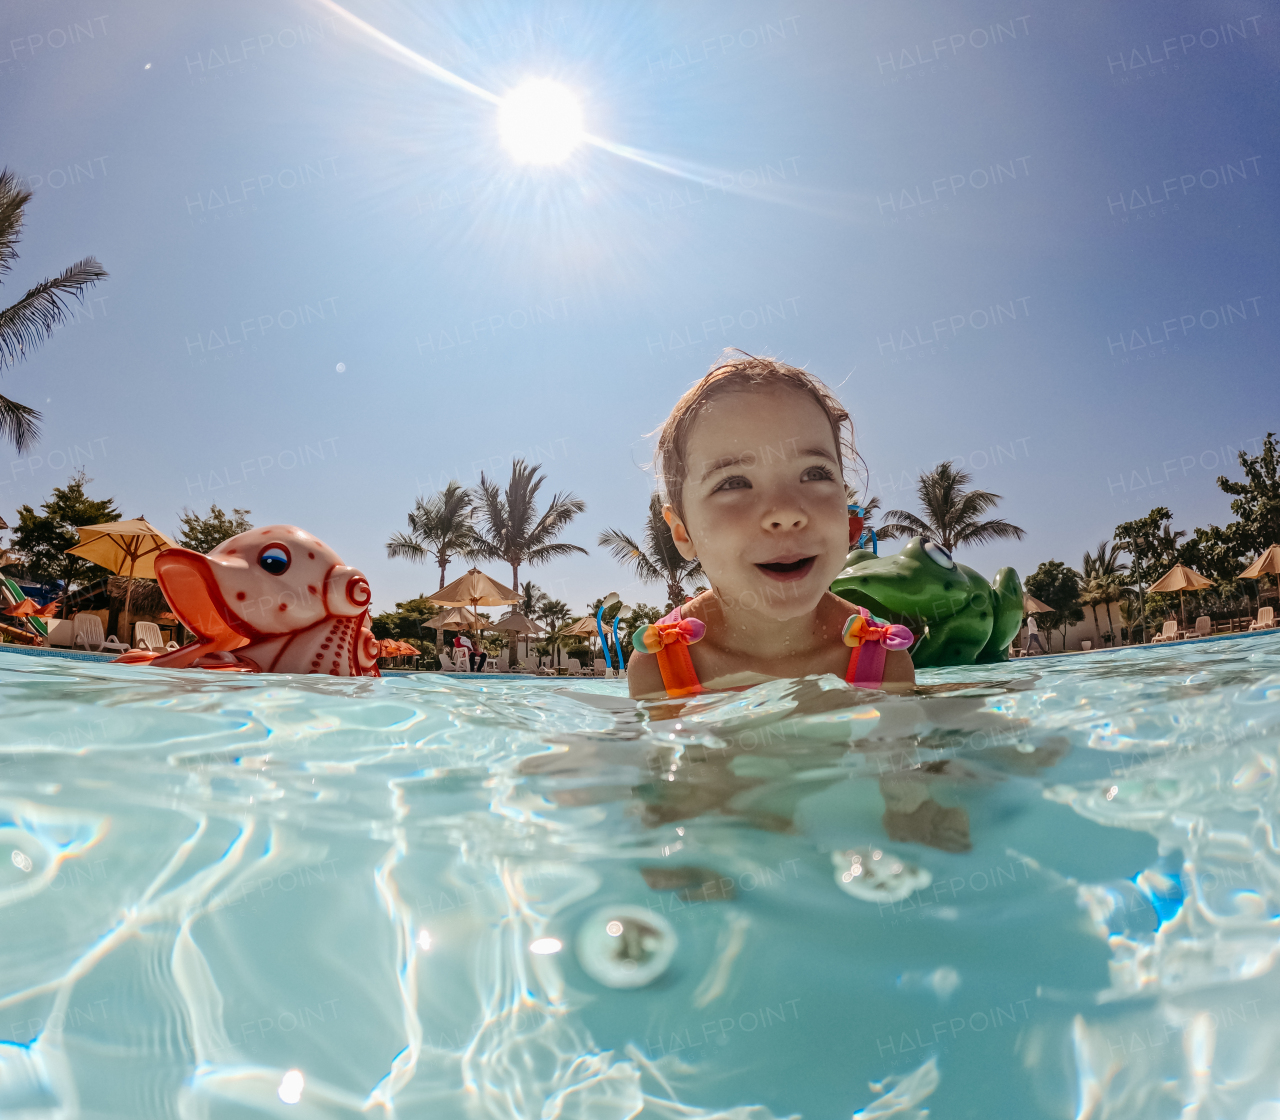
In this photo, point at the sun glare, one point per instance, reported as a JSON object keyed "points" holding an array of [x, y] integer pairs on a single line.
{"points": [[540, 122]]}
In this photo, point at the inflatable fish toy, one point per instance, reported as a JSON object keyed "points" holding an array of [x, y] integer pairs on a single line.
{"points": [[273, 600], [957, 616]]}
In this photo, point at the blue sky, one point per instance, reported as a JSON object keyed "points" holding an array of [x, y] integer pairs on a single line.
{"points": [[1040, 239]]}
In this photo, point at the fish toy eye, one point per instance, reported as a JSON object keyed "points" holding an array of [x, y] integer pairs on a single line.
{"points": [[938, 555], [274, 559]]}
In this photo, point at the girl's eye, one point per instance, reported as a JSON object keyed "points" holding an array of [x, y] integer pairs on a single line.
{"points": [[817, 474], [274, 559], [735, 482]]}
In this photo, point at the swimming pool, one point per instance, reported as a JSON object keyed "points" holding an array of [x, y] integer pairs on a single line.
{"points": [[223, 895]]}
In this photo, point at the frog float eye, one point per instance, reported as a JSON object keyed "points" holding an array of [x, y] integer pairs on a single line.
{"points": [[938, 555], [274, 559]]}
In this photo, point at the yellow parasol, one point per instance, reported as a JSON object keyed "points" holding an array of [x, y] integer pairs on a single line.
{"points": [[128, 548], [1181, 579], [1032, 605], [458, 618], [1266, 564]]}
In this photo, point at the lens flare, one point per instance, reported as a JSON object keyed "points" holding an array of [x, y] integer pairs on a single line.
{"points": [[540, 122]]}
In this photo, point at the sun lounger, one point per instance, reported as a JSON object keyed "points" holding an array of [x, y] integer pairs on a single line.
{"points": [[88, 633], [599, 667], [1265, 620], [1204, 627], [1168, 634], [148, 637], [575, 667]]}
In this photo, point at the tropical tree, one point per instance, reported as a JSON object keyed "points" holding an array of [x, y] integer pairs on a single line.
{"points": [[41, 539], [1102, 580], [656, 560], [1057, 586], [204, 534], [952, 513], [511, 527], [532, 600], [554, 615], [1222, 552], [27, 323], [440, 527]]}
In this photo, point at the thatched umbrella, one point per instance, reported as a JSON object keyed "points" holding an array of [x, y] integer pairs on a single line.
{"points": [[1181, 579]]}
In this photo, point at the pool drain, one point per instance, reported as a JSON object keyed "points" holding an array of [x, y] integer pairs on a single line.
{"points": [[876, 875], [626, 946]]}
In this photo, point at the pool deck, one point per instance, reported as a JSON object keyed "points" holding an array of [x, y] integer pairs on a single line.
{"points": [[1152, 645]]}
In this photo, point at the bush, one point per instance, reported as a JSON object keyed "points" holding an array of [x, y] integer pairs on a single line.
{"points": [[583, 654]]}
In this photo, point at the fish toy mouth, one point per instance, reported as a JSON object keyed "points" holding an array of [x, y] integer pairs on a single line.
{"points": [[791, 570]]}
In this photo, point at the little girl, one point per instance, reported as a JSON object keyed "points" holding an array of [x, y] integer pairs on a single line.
{"points": [[751, 462]]}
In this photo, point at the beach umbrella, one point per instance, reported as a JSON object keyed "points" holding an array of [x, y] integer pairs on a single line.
{"points": [[1181, 579], [128, 548], [25, 609], [475, 589], [583, 628], [515, 623], [1266, 564], [1032, 605], [519, 624], [457, 618]]}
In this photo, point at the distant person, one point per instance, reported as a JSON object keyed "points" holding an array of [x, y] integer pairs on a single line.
{"points": [[463, 642], [751, 462], [1034, 645]]}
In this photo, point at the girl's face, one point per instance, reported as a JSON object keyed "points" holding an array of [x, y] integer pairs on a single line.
{"points": [[765, 509]]}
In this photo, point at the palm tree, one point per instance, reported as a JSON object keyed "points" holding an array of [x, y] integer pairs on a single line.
{"points": [[440, 528], [1101, 577], [951, 512], [532, 600], [27, 323], [1166, 541], [554, 614], [657, 560], [512, 528]]}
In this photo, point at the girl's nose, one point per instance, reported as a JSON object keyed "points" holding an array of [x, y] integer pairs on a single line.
{"points": [[785, 518]]}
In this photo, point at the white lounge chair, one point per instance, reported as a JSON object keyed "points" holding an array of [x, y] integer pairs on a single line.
{"points": [[1265, 620], [1168, 634], [455, 660], [88, 633], [575, 667], [148, 637], [1204, 627]]}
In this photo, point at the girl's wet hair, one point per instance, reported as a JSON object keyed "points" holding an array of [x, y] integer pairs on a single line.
{"points": [[738, 371]]}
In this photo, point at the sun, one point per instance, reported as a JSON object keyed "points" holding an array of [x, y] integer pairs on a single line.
{"points": [[540, 122]]}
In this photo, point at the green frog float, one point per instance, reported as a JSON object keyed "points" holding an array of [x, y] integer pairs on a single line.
{"points": [[957, 616]]}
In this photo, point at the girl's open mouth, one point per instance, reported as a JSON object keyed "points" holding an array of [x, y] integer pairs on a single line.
{"points": [[795, 569]]}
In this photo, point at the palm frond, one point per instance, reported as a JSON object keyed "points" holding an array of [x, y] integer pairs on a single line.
{"points": [[19, 424], [629, 553], [403, 547], [899, 523], [27, 323], [981, 532], [540, 554], [12, 200]]}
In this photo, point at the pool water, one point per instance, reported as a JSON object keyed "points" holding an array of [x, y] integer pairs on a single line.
{"points": [[1043, 889]]}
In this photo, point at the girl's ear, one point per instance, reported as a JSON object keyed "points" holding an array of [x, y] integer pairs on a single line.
{"points": [[679, 533]]}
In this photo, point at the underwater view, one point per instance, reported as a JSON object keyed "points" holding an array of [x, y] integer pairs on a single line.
{"points": [[1044, 888]]}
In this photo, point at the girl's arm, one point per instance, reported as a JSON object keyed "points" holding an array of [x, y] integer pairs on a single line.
{"points": [[898, 670], [644, 678]]}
